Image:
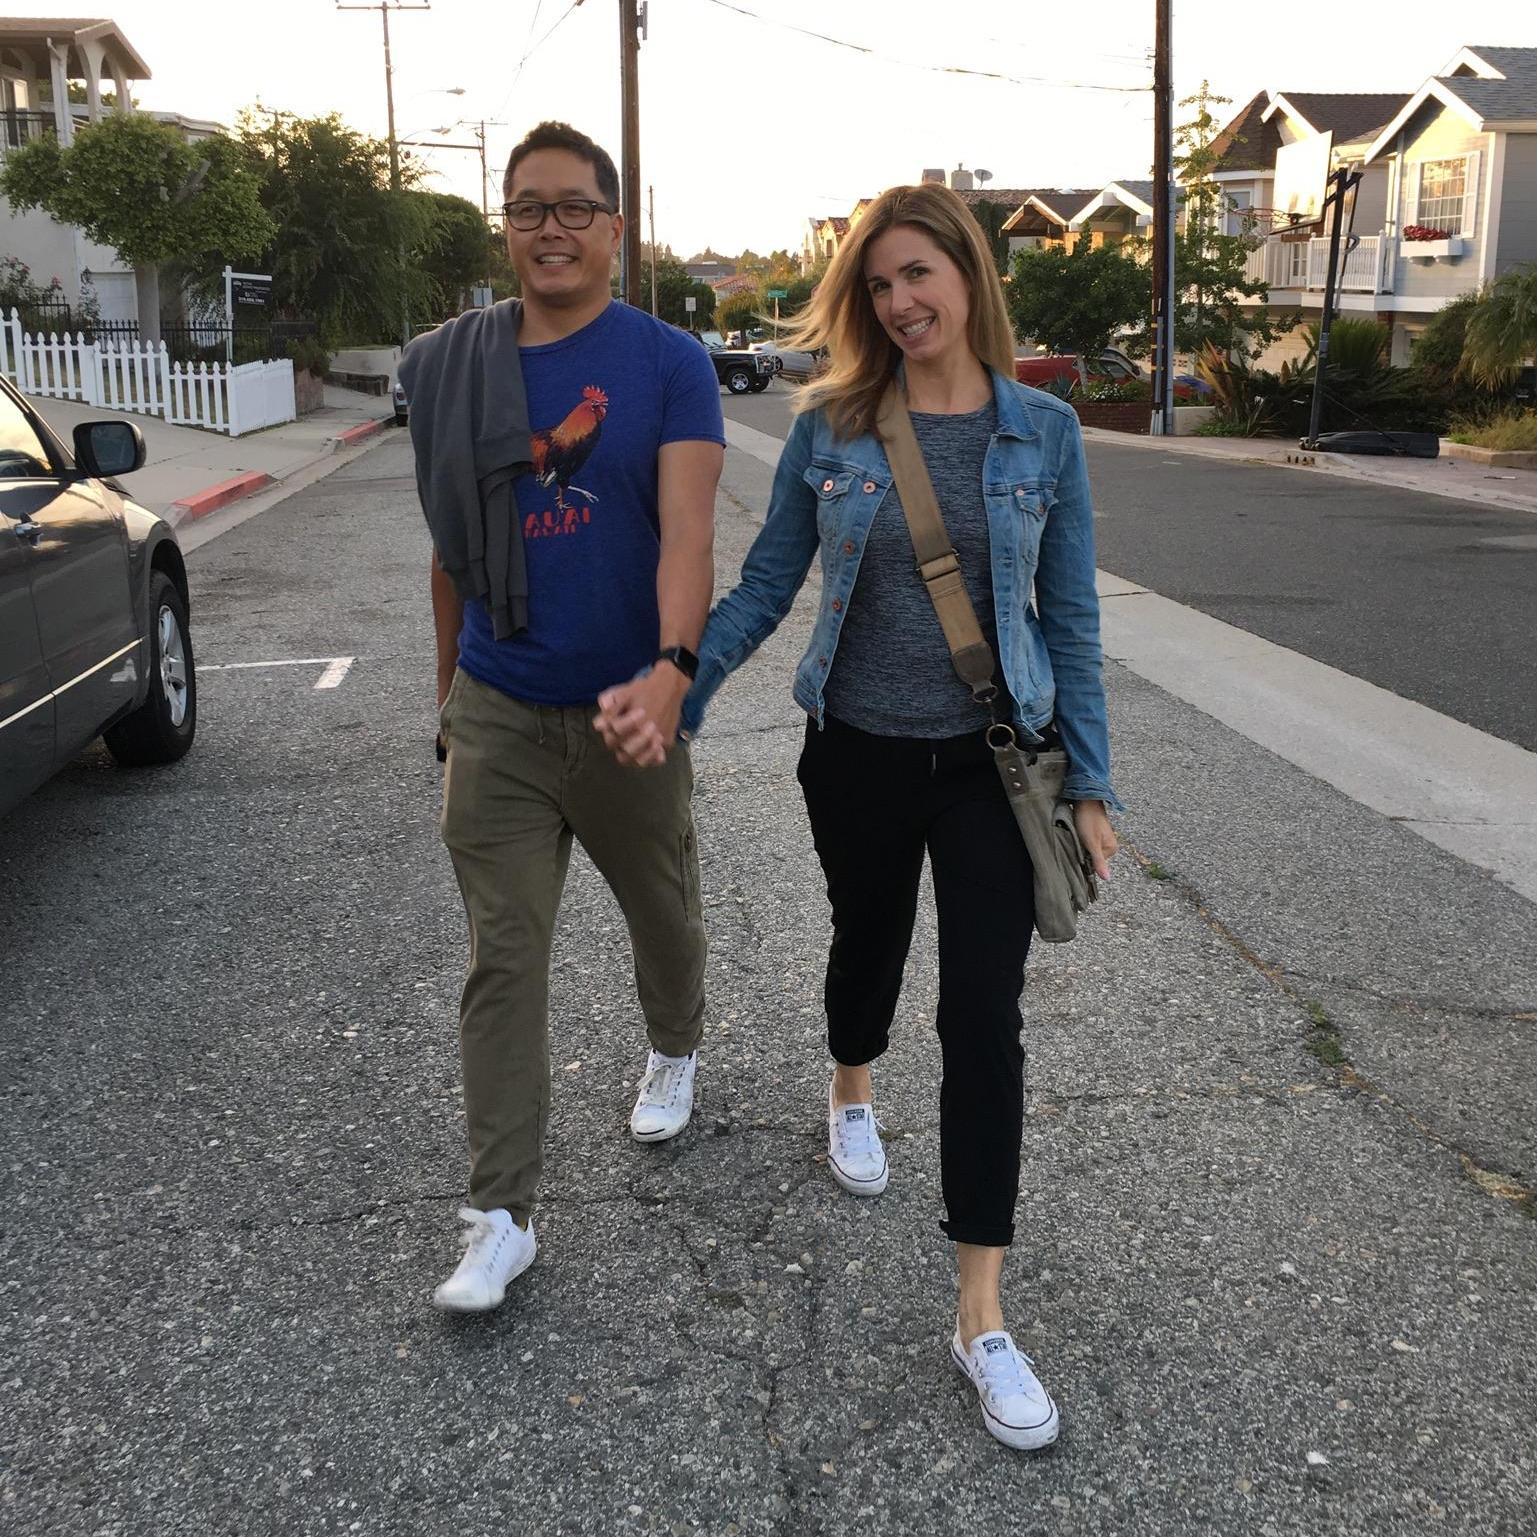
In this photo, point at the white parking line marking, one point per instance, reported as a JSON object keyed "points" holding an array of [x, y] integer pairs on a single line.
{"points": [[336, 667], [335, 672]]}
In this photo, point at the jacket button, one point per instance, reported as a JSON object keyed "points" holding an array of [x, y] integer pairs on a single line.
{"points": [[848, 546], [837, 605], [827, 485], [821, 661], [869, 487]]}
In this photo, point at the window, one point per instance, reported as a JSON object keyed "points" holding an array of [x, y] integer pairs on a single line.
{"points": [[1443, 194], [22, 455], [1239, 210]]}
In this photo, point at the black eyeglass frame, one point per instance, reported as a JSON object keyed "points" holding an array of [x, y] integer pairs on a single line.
{"points": [[593, 208]]}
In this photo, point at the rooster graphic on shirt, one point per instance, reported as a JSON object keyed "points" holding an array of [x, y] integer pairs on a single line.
{"points": [[558, 456]]}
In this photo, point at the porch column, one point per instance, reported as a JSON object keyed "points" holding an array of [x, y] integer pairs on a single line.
{"points": [[120, 85], [58, 75], [94, 55]]}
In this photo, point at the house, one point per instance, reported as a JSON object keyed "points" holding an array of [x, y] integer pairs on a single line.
{"points": [[710, 272], [1122, 210], [1457, 157], [39, 61], [1042, 218]]}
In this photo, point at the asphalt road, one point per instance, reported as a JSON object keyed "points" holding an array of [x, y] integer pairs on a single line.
{"points": [[1433, 599], [1273, 1255]]}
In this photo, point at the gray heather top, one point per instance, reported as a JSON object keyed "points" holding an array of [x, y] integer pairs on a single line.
{"points": [[891, 674]]}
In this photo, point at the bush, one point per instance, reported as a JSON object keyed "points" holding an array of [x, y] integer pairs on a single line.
{"points": [[309, 355], [1116, 390], [1512, 431]]}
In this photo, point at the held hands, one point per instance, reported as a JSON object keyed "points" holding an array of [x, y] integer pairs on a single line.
{"points": [[1096, 834], [638, 721]]}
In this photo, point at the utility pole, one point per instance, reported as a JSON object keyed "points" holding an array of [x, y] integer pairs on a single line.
{"points": [[651, 210], [1164, 210], [384, 7], [630, 25]]}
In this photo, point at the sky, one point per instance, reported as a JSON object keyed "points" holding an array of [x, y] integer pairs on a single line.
{"points": [[748, 127]]}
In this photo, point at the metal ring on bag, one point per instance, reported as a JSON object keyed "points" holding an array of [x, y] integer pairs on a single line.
{"points": [[1008, 739]]}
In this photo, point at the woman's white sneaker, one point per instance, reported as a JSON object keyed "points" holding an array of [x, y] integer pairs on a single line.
{"points": [[855, 1152], [666, 1098], [496, 1250], [1016, 1409]]}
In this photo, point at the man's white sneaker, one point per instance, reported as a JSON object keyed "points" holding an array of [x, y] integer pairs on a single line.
{"points": [[855, 1153], [496, 1249], [1016, 1409], [666, 1098]]}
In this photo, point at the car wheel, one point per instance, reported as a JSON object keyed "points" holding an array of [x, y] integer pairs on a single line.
{"points": [[162, 728], [738, 381]]}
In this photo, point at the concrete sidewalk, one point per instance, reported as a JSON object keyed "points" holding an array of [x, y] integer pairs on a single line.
{"points": [[189, 472], [1459, 479]]}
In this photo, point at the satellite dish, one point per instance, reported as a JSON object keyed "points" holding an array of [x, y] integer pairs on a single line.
{"points": [[983, 176]]}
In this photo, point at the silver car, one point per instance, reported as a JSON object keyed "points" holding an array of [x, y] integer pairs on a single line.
{"points": [[94, 632]]}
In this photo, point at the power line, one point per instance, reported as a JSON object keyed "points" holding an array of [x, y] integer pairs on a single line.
{"points": [[534, 48], [937, 69]]}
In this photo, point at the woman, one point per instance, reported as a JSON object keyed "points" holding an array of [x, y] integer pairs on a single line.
{"points": [[895, 760]]}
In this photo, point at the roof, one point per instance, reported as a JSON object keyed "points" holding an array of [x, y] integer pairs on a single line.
{"points": [[1135, 195], [839, 222], [77, 29], [1013, 196], [1348, 115], [1053, 204], [1490, 87], [1250, 140]]}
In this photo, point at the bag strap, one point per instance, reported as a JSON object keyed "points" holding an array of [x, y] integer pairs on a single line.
{"points": [[938, 564]]}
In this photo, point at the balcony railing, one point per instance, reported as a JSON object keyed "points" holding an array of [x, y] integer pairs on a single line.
{"points": [[18, 128], [1285, 264]]}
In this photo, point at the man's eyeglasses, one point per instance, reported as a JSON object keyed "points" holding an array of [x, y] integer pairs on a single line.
{"points": [[570, 212]]}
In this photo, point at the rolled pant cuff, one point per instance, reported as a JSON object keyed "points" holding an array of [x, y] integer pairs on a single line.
{"points": [[982, 1237]]}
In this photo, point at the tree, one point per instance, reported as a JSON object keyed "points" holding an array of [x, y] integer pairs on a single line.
{"points": [[139, 186], [673, 286], [739, 310], [340, 233], [1078, 302], [453, 251], [991, 217], [1210, 265], [1502, 329]]}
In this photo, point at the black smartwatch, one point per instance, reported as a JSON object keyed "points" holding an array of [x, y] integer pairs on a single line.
{"points": [[681, 658]]}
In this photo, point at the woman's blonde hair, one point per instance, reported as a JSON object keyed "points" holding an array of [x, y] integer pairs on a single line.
{"points": [[841, 314]]}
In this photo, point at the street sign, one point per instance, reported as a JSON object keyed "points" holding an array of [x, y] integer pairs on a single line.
{"points": [[776, 293], [690, 304], [250, 290], [481, 297]]}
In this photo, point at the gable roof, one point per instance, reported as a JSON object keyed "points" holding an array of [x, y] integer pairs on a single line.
{"points": [[1349, 115], [1053, 204], [1135, 195], [74, 30], [1250, 140], [1489, 87]]}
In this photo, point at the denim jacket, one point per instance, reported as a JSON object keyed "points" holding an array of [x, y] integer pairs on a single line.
{"points": [[826, 493]]}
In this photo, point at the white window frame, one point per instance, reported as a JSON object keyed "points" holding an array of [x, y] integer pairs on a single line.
{"points": [[1468, 224]]}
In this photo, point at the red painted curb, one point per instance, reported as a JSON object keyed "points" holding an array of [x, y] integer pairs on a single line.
{"points": [[362, 430], [211, 498]]}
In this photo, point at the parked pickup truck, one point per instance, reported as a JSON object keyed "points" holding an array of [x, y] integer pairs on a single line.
{"points": [[741, 372]]}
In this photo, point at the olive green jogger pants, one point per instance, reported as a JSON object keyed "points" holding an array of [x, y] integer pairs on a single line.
{"points": [[522, 780]]}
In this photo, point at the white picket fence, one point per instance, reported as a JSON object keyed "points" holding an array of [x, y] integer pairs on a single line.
{"points": [[134, 376]]}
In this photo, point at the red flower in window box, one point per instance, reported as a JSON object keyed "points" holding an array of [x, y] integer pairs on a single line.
{"points": [[1425, 232]]}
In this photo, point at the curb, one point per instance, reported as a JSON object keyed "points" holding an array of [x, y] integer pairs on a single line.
{"points": [[211, 498], [354, 435], [200, 503]]}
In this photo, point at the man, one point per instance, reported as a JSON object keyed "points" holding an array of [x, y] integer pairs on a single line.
{"points": [[606, 577]]}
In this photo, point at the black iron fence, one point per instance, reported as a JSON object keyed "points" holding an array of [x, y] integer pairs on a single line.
{"points": [[18, 128], [196, 341]]}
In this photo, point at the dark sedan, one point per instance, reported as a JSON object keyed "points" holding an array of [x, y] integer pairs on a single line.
{"points": [[94, 635]]}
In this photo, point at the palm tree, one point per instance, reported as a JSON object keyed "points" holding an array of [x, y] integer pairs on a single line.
{"points": [[1502, 330]]}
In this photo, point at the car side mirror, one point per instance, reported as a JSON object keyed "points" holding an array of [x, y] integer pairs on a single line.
{"points": [[109, 448]]}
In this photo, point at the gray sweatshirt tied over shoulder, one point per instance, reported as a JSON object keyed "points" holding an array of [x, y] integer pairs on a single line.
{"points": [[469, 429]]}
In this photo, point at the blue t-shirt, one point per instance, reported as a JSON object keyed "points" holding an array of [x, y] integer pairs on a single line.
{"points": [[601, 403]]}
